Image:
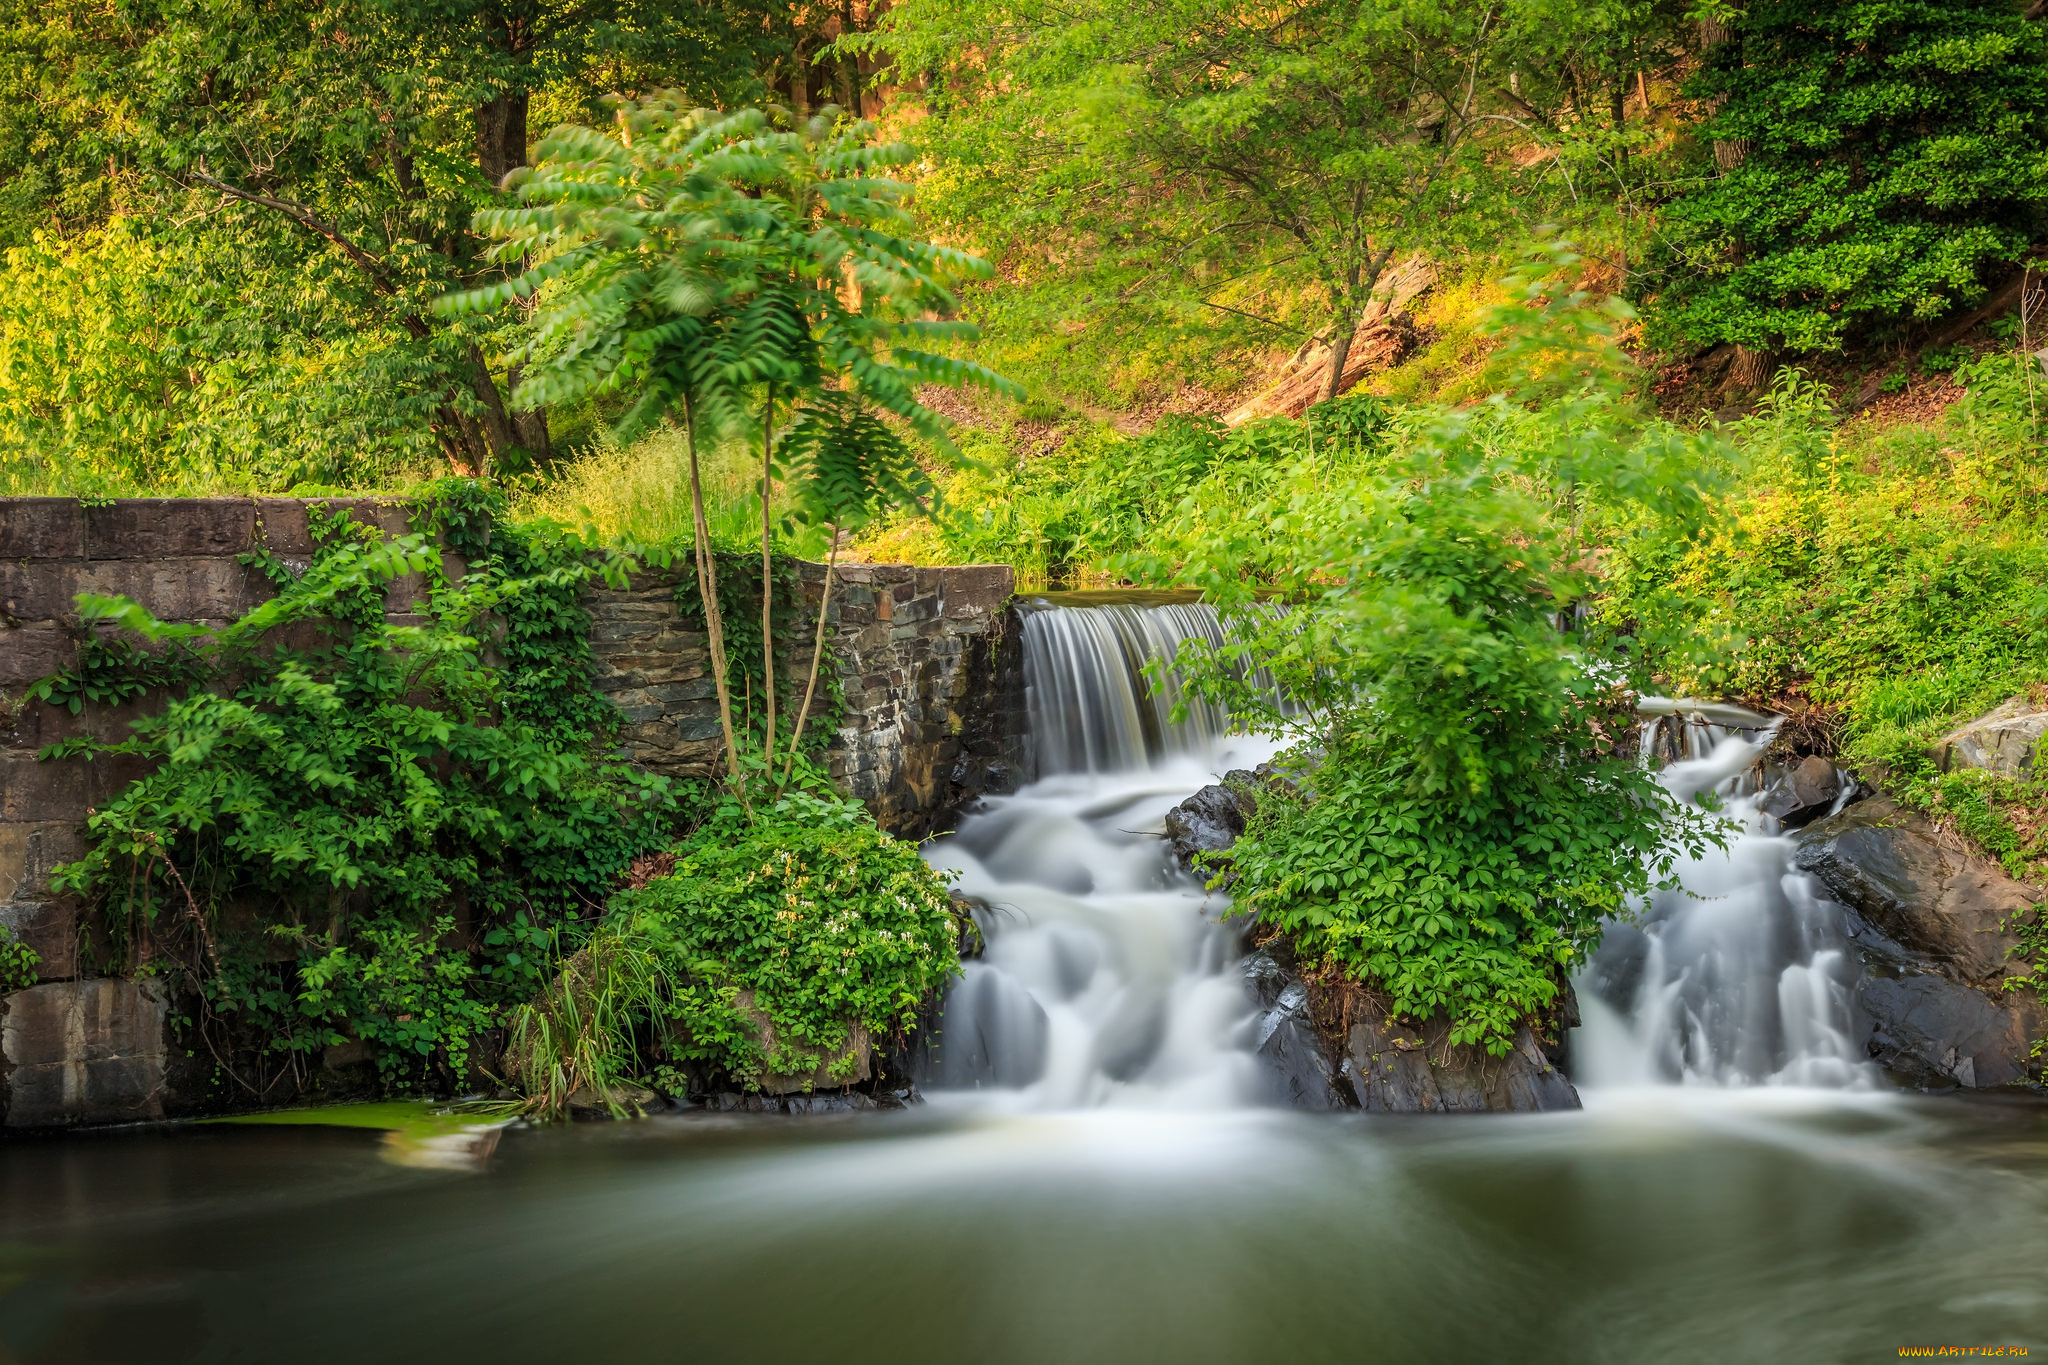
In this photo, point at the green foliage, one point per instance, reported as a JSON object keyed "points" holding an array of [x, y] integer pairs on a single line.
{"points": [[809, 916], [693, 256], [1890, 574], [1895, 155], [1460, 820], [1060, 516], [313, 165], [399, 989], [1205, 155], [18, 963], [141, 359], [358, 782], [783, 942]]}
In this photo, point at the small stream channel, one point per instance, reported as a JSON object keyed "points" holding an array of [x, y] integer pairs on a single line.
{"points": [[1098, 1173]]}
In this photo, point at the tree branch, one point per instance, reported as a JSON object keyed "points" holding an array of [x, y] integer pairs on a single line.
{"points": [[1276, 326], [306, 218]]}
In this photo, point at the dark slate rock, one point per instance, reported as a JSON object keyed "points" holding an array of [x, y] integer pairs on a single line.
{"points": [[1397, 1068], [1928, 920], [1210, 821], [1889, 865], [1934, 1033], [1804, 792], [1296, 1065]]}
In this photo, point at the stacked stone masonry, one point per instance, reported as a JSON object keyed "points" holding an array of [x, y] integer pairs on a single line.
{"points": [[926, 660]]}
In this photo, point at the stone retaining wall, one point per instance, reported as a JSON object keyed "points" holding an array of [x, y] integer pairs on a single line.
{"points": [[933, 716]]}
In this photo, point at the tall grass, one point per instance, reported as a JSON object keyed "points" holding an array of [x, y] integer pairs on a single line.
{"points": [[641, 493]]}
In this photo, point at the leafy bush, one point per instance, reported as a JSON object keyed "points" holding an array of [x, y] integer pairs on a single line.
{"points": [[153, 361], [1893, 575], [1461, 818], [1893, 155], [1058, 516], [780, 944]]}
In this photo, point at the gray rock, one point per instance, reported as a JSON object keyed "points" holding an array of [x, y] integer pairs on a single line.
{"points": [[1284, 1037], [1946, 906], [1804, 792], [851, 1064], [1929, 921], [1400, 1069], [2006, 740], [1210, 821], [1933, 1033]]}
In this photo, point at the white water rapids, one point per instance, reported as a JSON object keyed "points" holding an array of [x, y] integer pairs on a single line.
{"points": [[1741, 975], [1108, 979]]}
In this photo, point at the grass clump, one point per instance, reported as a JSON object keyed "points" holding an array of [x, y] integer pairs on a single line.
{"points": [[640, 493]]}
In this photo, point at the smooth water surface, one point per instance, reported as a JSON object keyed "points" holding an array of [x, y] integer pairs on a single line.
{"points": [[1661, 1225]]}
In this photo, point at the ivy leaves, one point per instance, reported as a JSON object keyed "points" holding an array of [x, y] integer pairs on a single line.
{"points": [[354, 780]]}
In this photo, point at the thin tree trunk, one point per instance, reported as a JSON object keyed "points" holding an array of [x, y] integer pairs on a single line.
{"points": [[767, 574], [1340, 353], [817, 657], [707, 590]]}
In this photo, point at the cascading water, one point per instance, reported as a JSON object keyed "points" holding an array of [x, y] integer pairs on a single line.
{"points": [[1105, 977], [1741, 975], [1091, 705]]}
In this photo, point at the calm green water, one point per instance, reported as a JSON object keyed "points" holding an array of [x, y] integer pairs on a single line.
{"points": [[1661, 1226]]}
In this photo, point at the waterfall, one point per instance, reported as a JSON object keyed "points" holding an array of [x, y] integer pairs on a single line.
{"points": [[1739, 976], [1107, 980], [1090, 703], [1106, 974]]}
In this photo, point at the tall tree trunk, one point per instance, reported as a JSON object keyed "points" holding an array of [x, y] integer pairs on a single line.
{"points": [[849, 64], [1727, 154], [500, 149], [529, 429], [767, 573], [1750, 370], [494, 420], [501, 134], [817, 657], [707, 591]]}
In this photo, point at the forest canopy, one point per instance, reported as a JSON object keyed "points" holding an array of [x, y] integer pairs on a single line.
{"points": [[226, 229]]}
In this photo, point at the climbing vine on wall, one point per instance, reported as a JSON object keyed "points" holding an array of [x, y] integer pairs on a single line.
{"points": [[355, 829]]}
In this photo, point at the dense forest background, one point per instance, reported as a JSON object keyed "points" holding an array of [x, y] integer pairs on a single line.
{"points": [[225, 226]]}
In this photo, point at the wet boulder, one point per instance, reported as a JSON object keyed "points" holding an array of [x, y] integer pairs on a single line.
{"points": [[2006, 740], [1296, 1066], [1803, 792], [1212, 820], [1930, 921]]}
